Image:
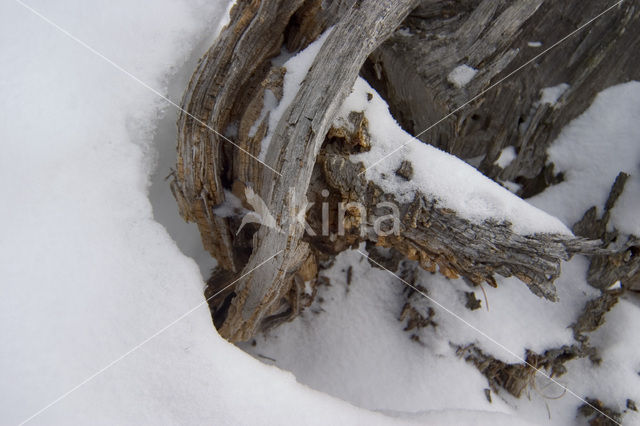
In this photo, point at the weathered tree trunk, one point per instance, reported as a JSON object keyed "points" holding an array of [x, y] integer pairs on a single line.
{"points": [[228, 92], [410, 71]]}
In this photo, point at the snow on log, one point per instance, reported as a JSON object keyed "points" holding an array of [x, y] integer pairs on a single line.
{"points": [[274, 84]]}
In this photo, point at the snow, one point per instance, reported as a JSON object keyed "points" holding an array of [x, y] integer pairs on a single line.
{"points": [[511, 186], [625, 215], [516, 318], [613, 381], [591, 151], [507, 155], [615, 286], [461, 75], [349, 343], [455, 184], [550, 95], [297, 67], [87, 272]]}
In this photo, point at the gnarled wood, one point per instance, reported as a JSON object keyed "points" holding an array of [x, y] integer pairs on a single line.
{"points": [[293, 149], [410, 71], [228, 91], [441, 240], [240, 64]]}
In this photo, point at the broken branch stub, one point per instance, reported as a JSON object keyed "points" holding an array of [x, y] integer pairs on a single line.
{"points": [[443, 241]]}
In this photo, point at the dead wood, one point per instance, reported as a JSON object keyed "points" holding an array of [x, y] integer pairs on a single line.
{"points": [[228, 92], [410, 70]]}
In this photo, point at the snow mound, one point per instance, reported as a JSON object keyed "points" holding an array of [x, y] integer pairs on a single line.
{"points": [[87, 274], [454, 183], [350, 342]]}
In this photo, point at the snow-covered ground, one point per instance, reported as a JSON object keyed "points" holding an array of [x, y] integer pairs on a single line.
{"points": [[87, 273], [349, 343], [102, 310]]}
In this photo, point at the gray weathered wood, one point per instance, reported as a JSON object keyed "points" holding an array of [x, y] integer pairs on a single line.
{"points": [[293, 149], [442, 241], [227, 92], [410, 71]]}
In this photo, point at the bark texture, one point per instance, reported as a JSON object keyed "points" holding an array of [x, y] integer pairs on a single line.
{"points": [[306, 157], [411, 71]]}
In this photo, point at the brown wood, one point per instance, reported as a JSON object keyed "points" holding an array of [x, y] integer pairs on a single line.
{"points": [[227, 92]]}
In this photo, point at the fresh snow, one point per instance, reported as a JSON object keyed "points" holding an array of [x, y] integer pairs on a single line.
{"points": [[269, 103], [591, 151], [511, 186], [349, 343], [339, 344], [461, 75], [87, 272], [454, 183], [550, 95]]}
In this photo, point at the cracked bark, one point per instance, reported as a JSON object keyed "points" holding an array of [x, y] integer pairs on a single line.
{"points": [[410, 71], [227, 91]]}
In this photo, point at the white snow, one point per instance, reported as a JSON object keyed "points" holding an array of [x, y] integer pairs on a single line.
{"points": [[550, 95], [591, 151], [351, 345], [348, 342], [461, 75], [455, 184], [516, 319], [297, 68], [86, 271], [232, 206], [615, 286], [511, 186], [507, 155]]}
